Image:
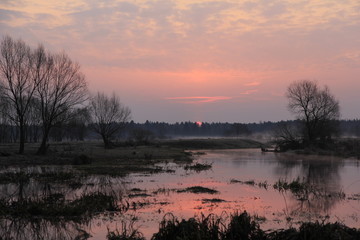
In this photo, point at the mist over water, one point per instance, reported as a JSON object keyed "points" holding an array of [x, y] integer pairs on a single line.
{"points": [[243, 179]]}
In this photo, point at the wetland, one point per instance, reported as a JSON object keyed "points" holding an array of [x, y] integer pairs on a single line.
{"points": [[134, 189]]}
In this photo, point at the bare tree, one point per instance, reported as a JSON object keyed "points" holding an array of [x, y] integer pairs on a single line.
{"points": [[76, 126], [62, 87], [317, 108], [19, 83], [108, 116], [33, 118]]}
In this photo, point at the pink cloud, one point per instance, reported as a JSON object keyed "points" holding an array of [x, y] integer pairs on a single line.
{"points": [[252, 84], [199, 99]]}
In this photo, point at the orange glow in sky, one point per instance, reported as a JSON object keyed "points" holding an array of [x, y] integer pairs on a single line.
{"points": [[200, 59]]}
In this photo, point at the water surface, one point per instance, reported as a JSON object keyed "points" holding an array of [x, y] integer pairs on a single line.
{"points": [[243, 178], [334, 196]]}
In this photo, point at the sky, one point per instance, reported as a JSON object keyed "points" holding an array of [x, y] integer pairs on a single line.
{"points": [[200, 60]]}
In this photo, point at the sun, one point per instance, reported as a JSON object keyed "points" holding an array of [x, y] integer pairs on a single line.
{"points": [[198, 123]]}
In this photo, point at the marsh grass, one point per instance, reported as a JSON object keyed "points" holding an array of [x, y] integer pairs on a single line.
{"points": [[209, 227], [198, 167], [316, 231], [211, 143], [263, 184], [294, 186], [198, 189], [56, 206], [127, 231], [143, 195], [304, 191], [242, 226], [212, 200]]}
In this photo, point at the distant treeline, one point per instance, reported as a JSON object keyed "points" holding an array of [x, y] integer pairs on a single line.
{"points": [[78, 129]]}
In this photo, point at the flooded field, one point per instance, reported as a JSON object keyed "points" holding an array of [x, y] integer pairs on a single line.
{"points": [[244, 180], [281, 190]]}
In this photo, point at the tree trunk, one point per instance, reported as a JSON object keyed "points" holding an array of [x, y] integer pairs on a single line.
{"points": [[43, 147], [107, 142], [22, 138]]}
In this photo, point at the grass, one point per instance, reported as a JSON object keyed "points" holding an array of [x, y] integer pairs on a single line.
{"points": [[305, 191], [242, 226], [209, 228], [198, 189], [126, 232], [118, 161], [211, 143], [198, 167], [251, 183], [55, 206], [134, 195], [294, 186], [212, 200]]}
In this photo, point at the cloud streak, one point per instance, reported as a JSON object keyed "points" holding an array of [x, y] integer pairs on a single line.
{"points": [[198, 99], [209, 99]]}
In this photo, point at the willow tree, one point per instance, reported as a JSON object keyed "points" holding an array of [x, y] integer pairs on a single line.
{"points": [[315, 107], [108, 116]]}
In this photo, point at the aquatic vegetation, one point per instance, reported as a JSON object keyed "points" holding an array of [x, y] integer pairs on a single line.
{"points": [[316, 231], [210, 228], [56, 206], [304, 191], [212, 200], [223, 143], [251, 183], [126, 232], [198, 167], [137, 190], [244, 226], [294, 186], [198, 189], [139, 195], [354, 196]]}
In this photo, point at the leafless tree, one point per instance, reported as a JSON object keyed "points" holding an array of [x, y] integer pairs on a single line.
{"points": [[62, 87], [317, 108], [19, 82], [33, 118], [108, 116]]}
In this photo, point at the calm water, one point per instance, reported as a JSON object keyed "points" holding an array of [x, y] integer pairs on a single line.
{"points": [[334, 182]]}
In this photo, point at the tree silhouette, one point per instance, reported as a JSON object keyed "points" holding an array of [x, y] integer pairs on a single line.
{"points": [[108, 116], [316, 108]]}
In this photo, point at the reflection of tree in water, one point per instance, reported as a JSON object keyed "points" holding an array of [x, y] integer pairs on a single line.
{"points": [[18, 187], [42, 229], [35, 185], [321, 177]]}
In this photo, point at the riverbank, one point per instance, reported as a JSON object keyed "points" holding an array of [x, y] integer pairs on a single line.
{"points": [[125, 158]]}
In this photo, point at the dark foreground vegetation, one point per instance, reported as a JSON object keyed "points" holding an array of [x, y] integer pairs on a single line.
{"points": [[239, 226], [56, 206]]}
